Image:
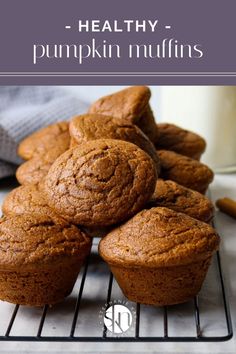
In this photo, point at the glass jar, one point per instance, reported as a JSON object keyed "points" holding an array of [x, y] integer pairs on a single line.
{"points": [[209, 111]]}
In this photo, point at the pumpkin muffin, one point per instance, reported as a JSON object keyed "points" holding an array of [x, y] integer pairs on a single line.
{"points": [[100, 183], [185, 171], [184, 142], [40, 259], [33, 171], [27, 199], [55, 136], [88, 127], [132, 106], [160, 257], [181, 199]]}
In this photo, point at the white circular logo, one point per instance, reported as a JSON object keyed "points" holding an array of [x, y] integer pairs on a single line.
{"points": [[118, 318]]}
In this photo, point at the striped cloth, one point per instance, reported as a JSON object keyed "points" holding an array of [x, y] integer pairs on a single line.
{"points": [[25, 109]]}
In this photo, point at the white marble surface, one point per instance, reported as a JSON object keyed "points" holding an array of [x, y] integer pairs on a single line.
{"points": [[224, 185]]}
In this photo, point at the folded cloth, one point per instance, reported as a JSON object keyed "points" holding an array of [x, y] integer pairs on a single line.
{"points": [[6, 169], [25, 109]]}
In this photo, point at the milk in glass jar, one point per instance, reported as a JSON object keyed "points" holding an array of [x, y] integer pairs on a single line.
{"points": [[209, 111]]}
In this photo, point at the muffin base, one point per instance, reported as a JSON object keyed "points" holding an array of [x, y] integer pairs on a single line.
{"points": [[161, 286], [38, 288]]}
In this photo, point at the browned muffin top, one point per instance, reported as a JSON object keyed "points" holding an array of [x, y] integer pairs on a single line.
{"points": [[96, 126], [159, 237], [101, 182], [172, 137], [185, 171], [181, 199], [26, 200], [33, 171], [131, 105], [53, 136], [31, 241], [128, 104]]}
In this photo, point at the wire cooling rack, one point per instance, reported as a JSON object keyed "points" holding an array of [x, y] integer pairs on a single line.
{"points": [[204, 319]]}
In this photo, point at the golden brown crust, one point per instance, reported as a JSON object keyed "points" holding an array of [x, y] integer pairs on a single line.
{"points": [[73, 143], [183, 200], [53, 136], [88, 127], [171, 137], [32, 241], [101, 182], [34, 171], [185, 171], [128, 104], [148, 125], [162, 286], [27, 199], [131, 105], [40, 287], [159, 237]]}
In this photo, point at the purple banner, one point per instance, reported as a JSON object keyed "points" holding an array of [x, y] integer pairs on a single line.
{"points": [[117, 42]]}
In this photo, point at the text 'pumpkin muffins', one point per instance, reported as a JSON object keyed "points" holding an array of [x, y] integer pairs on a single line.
{"points": [[185, 171], [172, 195], [88, 127], [160, 257], [40, 259], [132, 106], [101, 182]]}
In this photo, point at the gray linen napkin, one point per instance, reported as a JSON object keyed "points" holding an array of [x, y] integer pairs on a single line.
{"points": [[25, 109]]}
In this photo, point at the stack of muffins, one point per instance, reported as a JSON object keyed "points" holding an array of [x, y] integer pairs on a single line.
{"points": [[114, 173]]}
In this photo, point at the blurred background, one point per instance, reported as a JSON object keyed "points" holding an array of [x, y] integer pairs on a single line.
{"points": [[207, 110]]}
